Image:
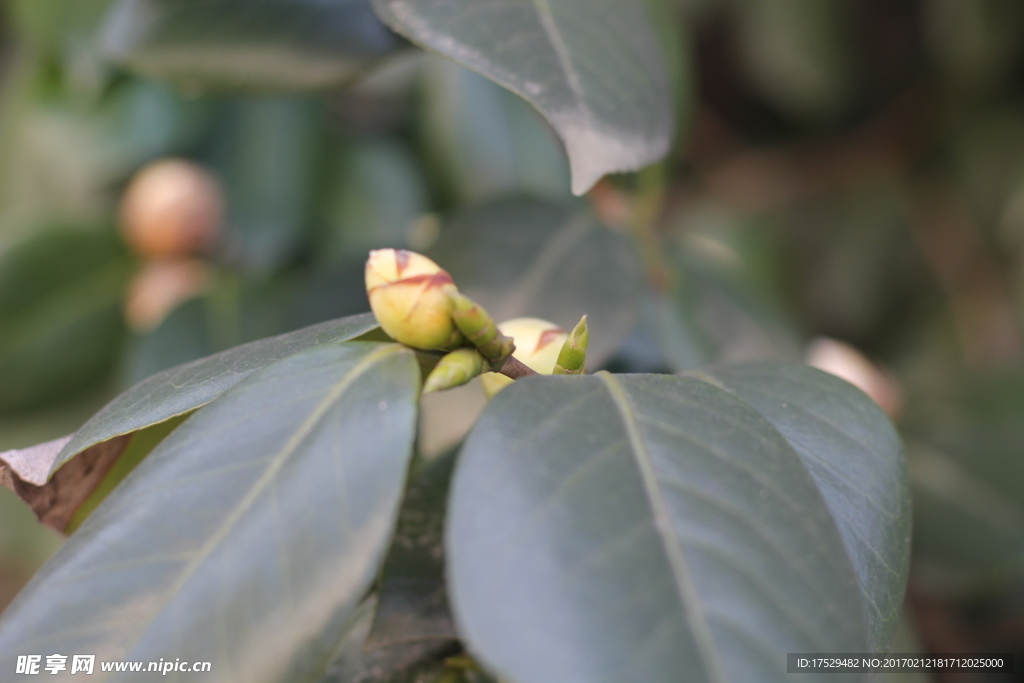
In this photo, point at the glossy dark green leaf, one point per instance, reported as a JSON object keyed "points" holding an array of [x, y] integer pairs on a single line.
{"points": [[594, 69], [184, 388], [855, 457], [265, 45], [61, 293], [250, 535], [528, 257], [633, 527]]}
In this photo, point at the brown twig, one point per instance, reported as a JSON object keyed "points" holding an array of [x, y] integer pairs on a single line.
{"points": [[515, 369]]}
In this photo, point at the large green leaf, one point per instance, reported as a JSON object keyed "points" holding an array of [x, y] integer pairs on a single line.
{"points": [[854, 455], [633, 527], [184, 388], [528, 257], [247, 537], [594, 69], [266, 45], [61, 293]]}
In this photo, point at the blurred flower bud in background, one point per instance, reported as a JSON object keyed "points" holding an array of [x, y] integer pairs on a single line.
{"points": [[159, 287], [171, 208], [846, 362], [538, 343]]}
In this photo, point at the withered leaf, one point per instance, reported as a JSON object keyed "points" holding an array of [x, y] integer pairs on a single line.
{"points": [[55, 501]]}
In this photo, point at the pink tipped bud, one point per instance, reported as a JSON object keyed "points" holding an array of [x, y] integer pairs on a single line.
{"points": [[409, 297]]}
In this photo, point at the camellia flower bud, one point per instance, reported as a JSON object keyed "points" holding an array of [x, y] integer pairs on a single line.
{"points": [[171, 208], [846, 362], [159, 287], [409, 295], [538, 343]]}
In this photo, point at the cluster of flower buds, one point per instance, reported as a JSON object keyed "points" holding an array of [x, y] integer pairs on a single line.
{"points": [[417, 304]]}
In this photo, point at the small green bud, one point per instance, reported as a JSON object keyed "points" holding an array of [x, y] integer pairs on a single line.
{"points": [[478, 327], [455, 369], [572, 359]]}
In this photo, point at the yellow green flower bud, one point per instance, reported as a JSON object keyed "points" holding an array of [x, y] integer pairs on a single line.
{"points": [[538, 343], [409, 295], [455, 369], [572, 358]]}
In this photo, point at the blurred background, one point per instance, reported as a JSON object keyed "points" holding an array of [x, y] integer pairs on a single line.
{"points": [[846, 188]]}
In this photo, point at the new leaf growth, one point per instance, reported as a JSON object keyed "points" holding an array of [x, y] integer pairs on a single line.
{"points": [[572, 359]]}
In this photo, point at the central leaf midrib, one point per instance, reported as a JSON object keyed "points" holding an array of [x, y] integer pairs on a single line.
{"points": [[683, 578], [277, 462], [572, 77]]}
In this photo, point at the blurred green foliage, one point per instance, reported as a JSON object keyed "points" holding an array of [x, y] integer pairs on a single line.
{"points": [[848, 169]]}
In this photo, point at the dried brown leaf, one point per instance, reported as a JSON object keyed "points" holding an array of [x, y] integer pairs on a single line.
{"points": [[55, 501]]}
